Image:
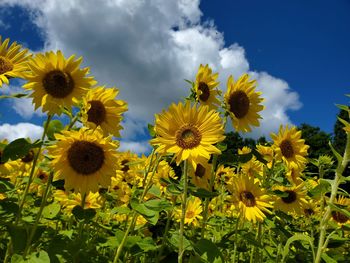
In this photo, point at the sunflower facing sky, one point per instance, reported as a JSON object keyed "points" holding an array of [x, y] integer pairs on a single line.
{"points": [[189, 132], [243, 103], [100, 108], [12, 61], [206, 87], [56, 82], [250, 198], [290, 147], [84, 159]]}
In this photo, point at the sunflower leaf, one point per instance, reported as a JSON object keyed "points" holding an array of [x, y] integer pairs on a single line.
{"points": [[18, 148], [16, 95]]}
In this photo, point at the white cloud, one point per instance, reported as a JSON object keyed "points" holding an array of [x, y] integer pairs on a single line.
{"points": [[147, 48], [23, 106], [138, 147], [20, 130]]}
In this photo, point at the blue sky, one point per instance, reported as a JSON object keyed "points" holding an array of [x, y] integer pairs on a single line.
{"points": [[297, 50], [305, 43]]}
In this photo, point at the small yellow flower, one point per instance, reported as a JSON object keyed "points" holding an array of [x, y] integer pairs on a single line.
{"points": [[193, 212], [294, 200]]}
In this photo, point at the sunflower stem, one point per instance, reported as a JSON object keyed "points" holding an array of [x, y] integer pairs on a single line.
{"points": [[235, 239], [207, 199], [183, 213], [131, 226], [167, 226], [324, 221], [30, 179], [37, 219]]}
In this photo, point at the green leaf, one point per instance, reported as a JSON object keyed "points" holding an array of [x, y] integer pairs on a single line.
{"points": [[280, 193], [154, 190], [151, 131], [342, 107], [17, 149], [158, 205], [51, 211], [18, 236], [150, 215], [16, 95], [147, 244], [327, 258], [83, 214], [203, 193], [295, 238], [221, 146], [208, 251], [175, 239], [244, 158], [9, 206], [5, 185], [55, 126], [336, 154]]}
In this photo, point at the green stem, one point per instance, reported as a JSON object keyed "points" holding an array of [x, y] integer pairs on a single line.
{"points": [[131, 226], [42, 205], [167, 227], [30, 179], [235, 239], [323, 224], [183, 213], [207, 200]]}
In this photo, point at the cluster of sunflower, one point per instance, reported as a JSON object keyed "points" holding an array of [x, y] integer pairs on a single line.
{"points": [[181, 187]]}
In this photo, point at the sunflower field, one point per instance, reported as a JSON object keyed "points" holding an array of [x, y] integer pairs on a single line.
{"points": [[71, 196]]}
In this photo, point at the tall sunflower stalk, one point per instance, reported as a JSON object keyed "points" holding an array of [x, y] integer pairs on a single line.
{"points": [[342, 164]]}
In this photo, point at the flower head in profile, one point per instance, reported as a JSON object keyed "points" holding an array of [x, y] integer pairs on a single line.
{"points": [[189, 132], [200, 176], [206, 87], [56, 82], [243, 103], [13, 61], [290, 147], [250, 198], [101, 109], [84, 159], [339, 217]]}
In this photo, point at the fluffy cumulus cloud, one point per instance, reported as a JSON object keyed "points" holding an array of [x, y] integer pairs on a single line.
{"points": [[20, 130], [147, 49]]}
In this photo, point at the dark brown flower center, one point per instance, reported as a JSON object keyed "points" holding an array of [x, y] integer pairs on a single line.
{"points": [[5, 65], [200, 171], [28, 157], [247, 198], [125, 166], [43, 176], [97, 112], [309, 211], [203, 87], [58, 84], [292, 196], [339, 217], [239, 104], [188, 136], [85, 157], [287, 149]]}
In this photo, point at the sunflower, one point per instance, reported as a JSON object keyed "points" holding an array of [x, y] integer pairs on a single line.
{"points": [[100, 108], [206, 87], [56, 82], [243, 103], [188, 132], [193, 212], [267, 153], [292, 200], [130, 168], [250, 198], [339, 217], [84, 159], [12, 61], [224, 176], [200, 176], [164, 171], [294, 173], [289, 147]]}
